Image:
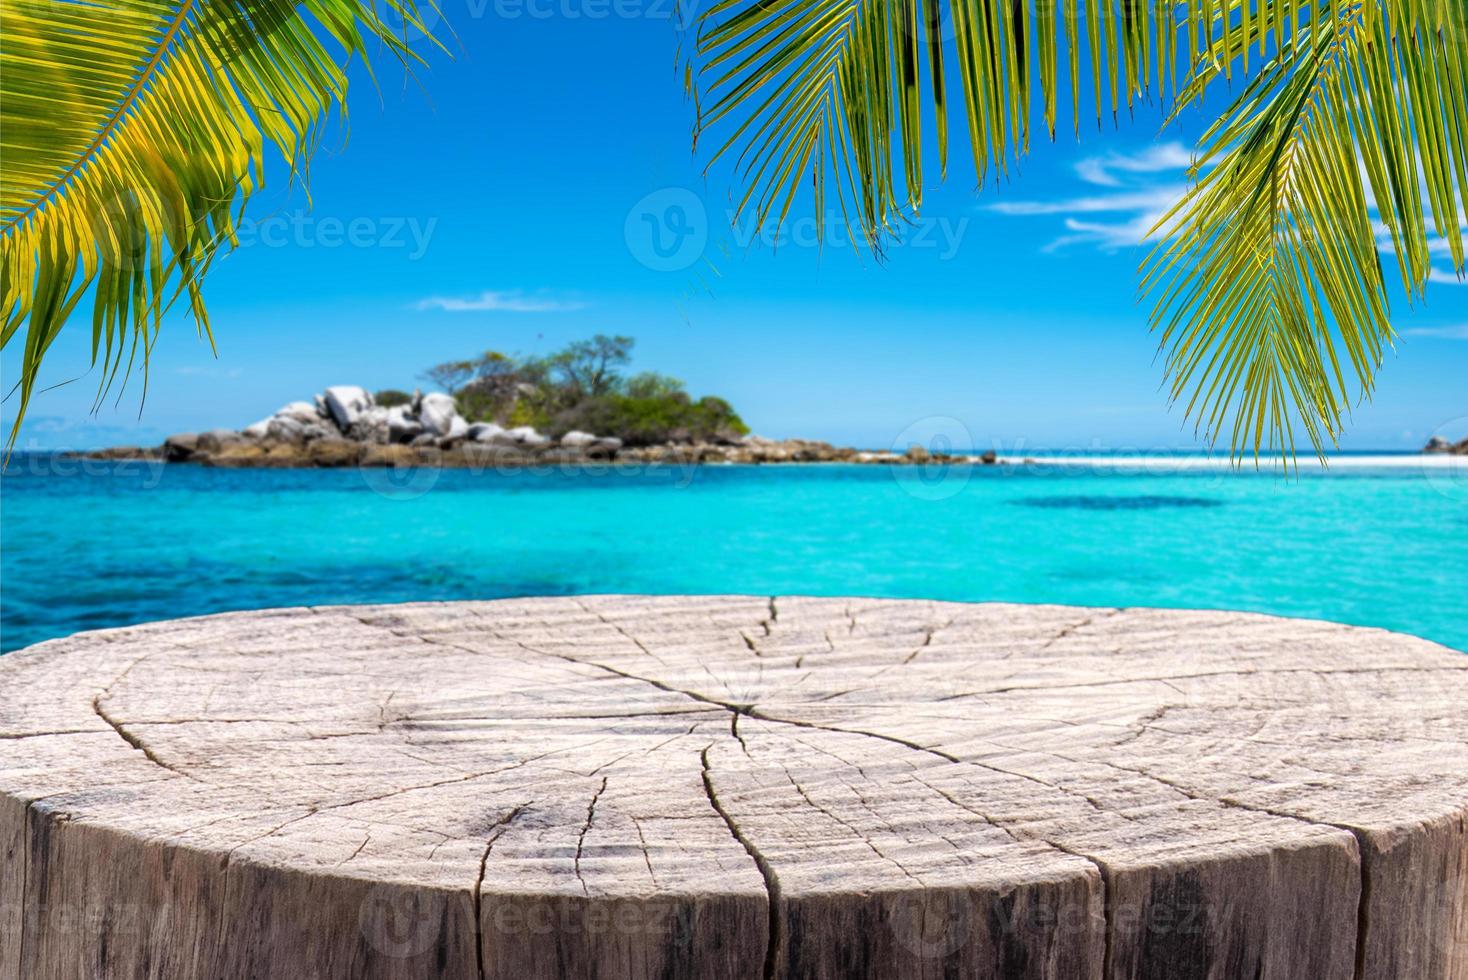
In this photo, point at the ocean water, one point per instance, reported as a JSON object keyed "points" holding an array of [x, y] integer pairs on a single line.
{"points": [[104, 545]]}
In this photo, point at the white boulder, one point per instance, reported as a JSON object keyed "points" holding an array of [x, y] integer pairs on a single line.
{"points": [[303, 412], [402, 427], [286, 429], [437, 412], [534, 440], [345, 403], [576, 439], [256, 430], [458, 429], [485, 431], [371, 425]]}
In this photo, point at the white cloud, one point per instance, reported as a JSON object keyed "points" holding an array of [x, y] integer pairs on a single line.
{"points": [[1154, 159], [1447, 277], [1157, 199], [1107, 237], [496, 301], [1459, 332], [1140, 188]]}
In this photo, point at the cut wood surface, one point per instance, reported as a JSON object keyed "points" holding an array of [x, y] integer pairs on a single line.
{"points": [[734, 787]]}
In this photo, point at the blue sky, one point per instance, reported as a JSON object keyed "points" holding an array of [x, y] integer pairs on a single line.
{"points": [[506, 198]]}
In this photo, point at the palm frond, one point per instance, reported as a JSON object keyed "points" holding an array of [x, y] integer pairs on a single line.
{"points": [[1267, 278], [134, 134], [1272, 300]]}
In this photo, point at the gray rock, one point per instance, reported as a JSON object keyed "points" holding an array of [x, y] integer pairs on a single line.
{"points": [[180, 446], [610, 445], [286, 429], [256, 430], [424, 439], [216, 439], [371, 425], [727, 437], [401, 426], [345, 403], [1437, 444], [437, 412], [289, 430]]}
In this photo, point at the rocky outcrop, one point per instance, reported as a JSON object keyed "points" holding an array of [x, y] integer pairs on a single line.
{"points": [[343, 426], [345, 403], [1437, 444], [437, 412]]}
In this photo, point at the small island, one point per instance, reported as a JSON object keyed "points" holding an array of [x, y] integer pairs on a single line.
{"points": [[574, 406], [1440, 445]]}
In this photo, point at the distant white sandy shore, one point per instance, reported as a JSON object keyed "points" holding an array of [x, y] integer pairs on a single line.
{"points": [[1423, 461]]}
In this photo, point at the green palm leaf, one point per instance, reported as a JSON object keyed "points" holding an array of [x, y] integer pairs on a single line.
{"points": [[134, 132], [1270, 298]]}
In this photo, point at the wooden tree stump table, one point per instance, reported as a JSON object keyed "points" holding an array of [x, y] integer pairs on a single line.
{"points": [[734, 787]]}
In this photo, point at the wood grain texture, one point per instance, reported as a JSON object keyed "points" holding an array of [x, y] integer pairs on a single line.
{"points": [[734, 787]]}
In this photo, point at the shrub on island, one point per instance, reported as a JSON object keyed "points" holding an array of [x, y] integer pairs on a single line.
{"points": [[582, 388], [392, 398]]}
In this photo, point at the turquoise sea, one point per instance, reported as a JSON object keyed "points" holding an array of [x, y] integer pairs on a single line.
{"points": [[95, 545]]}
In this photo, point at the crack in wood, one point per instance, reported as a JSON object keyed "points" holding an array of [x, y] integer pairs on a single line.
{"points": [[1363, 848], [477, 893], [586, 829], [1074, 627], [135, 742], [1203, 675], [854, 831], [1043, 768], [775, 941]]}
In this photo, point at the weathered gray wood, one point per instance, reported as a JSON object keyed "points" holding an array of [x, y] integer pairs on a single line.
{"points": [[717, 787]]}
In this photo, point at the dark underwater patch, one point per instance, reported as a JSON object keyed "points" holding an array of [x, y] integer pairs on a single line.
{"points": [[1097, 502]]}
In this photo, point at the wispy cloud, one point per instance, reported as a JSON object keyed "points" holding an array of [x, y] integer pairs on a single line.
{"points": [[1103, 171], [1458, 332], [1140, 188], [1447, 277], [1152, 199], [513, 301]]}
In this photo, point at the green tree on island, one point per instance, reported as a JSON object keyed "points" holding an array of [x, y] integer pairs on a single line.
{"points": [[583, 387], [129, 163]]}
